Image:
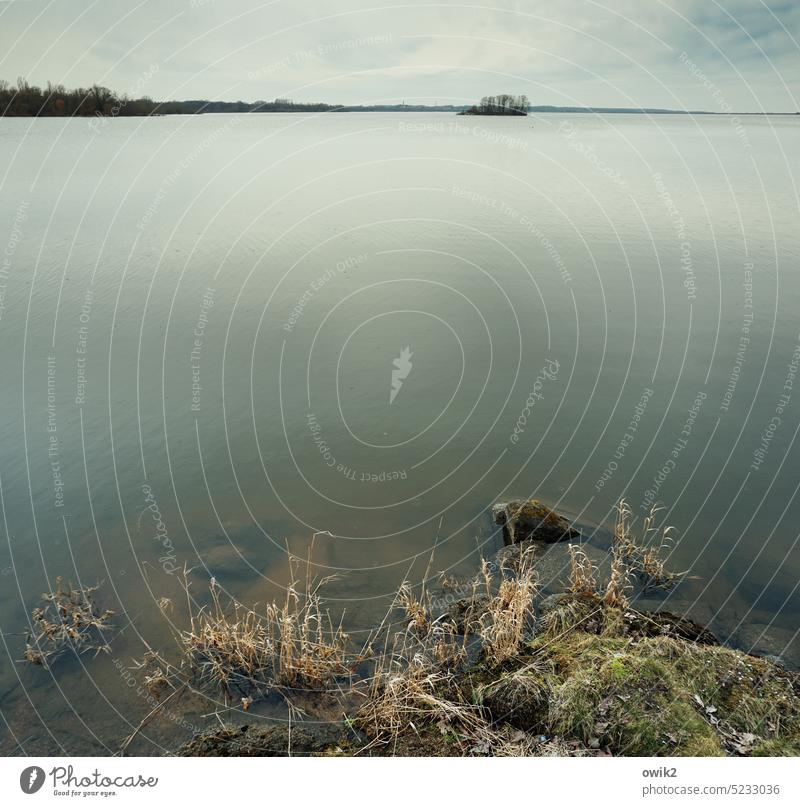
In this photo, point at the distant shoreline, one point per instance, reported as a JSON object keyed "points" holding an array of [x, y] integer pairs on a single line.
{"points": [[214, 109], [24, 100]]}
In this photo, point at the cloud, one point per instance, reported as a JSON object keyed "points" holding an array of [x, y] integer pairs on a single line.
{"points": [[576, 51]]}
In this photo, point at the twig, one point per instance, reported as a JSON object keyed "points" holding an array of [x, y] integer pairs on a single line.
{"points": [[152, 713]]}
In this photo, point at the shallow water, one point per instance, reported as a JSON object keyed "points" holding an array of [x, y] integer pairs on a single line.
{"points": [[199, 322]]}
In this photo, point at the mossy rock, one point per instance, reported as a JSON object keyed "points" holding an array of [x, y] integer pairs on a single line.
{"points": [[751, 695], [638, 694], [532, 520], [631, 704]]}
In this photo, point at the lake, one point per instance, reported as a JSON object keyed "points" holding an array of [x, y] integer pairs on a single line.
{"points": [[223, 334]]}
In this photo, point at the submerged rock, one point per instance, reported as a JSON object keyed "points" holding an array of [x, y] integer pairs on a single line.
{"points": [[769, 641], [249, 740], [532, 520], [552, 563], [227, 561]]}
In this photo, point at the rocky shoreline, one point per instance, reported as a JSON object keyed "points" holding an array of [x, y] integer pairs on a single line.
{"points": [[511, 667]]}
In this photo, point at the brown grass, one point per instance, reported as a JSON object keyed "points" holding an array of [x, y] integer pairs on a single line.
{"points": [[615, 593], [245, 654], [294, 644], [632, 558], [510, 612], [643, 555], [417, 682], [582, 573]]}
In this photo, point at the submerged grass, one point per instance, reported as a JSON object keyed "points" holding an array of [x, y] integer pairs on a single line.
{"points": [[69, 620]]}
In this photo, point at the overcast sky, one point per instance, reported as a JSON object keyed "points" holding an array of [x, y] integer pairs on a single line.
{"points": [[695, 54]]}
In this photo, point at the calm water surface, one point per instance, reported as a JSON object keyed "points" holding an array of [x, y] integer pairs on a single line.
{"points": [[200, 319]]}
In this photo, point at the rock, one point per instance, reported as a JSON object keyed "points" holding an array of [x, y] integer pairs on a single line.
{"points": [[552, 563], [553, 602], [650, 625], [532, 520], [768, 640], [466, 611], [508, 558], [248, 740], [226, 561]]}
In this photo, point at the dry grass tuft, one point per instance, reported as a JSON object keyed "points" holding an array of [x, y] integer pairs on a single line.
{"points": [[615, 594], [417, 613], [417, 682], [405, 691], [290, 647], [582, 580], [69, 620], [643, 556], [632, 558], [510, 613]]}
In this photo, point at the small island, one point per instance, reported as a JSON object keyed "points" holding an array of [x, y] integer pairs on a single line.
{"points": [[499, 105]]}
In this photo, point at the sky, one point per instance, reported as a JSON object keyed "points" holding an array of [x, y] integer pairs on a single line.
{"points": [[731, 55]]}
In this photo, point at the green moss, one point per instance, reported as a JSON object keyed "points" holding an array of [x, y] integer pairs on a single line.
{"points": [[588, 677], [632, 704], [536, 509], [617, 667], [751, 695], [702, 746], [661, 696], [778, 747]]}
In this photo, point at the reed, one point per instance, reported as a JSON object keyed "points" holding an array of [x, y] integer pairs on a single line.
{"points": [[582, 580], [642, 555], [290, 646], [509, 615]]}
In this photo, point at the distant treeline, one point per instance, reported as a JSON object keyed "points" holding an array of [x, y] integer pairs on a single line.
{"points": [[500, 105], [54, 100]]}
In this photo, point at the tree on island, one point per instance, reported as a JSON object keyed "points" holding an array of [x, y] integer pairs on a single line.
{"points": [[500, 105]]}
